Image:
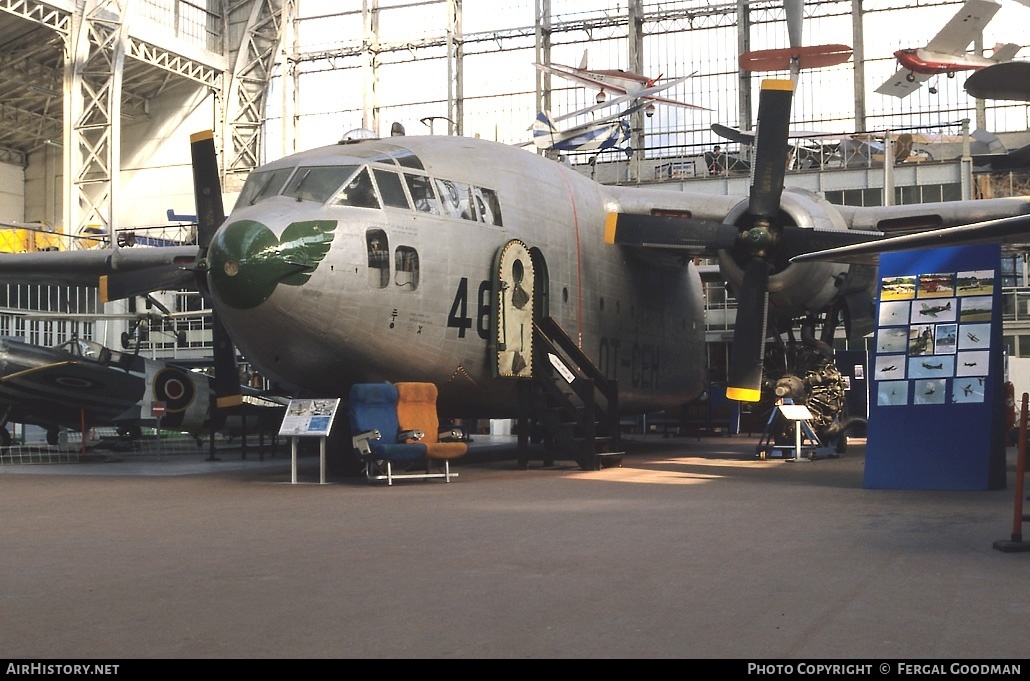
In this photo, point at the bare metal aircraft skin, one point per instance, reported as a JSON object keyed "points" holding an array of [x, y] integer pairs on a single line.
{"points": [[416, 259], [320, 293]]}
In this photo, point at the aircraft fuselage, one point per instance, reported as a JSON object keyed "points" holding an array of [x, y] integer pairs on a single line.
{"points": [[921, 60], [320, 293]]}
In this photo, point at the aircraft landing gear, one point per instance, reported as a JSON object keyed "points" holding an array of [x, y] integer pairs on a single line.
{"points": [[910, 77], [5, 437], [53, 437]]}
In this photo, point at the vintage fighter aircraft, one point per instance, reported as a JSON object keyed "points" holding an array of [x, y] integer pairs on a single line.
{"points": [[946, 52], [435, 258], [81, 384]]}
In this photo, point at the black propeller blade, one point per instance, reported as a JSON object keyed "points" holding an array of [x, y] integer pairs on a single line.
{"points": [[744, 382], [757, 241], [210, 216]]}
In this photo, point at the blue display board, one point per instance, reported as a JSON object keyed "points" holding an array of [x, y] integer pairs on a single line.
{"points": [[936, 400]]}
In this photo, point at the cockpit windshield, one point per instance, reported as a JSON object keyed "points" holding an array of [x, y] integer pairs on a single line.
{"points": [[262, 184], [318, 183], [80, 347]]}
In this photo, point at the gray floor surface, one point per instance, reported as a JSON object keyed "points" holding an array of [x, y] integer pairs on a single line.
{"points": [[693, 548]]}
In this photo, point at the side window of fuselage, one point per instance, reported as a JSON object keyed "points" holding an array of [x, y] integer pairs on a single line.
{"points": [[378, 258], [455, 199], [406, 268], [422, 194], [488, 208]]}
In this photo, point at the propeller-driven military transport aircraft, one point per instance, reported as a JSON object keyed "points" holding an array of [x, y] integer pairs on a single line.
{"points": [[438, 258]]}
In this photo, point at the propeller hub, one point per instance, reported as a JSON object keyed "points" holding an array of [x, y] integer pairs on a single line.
{"points": [[759, 238]]}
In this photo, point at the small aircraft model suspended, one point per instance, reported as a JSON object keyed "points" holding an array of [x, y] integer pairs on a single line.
{"points": [[626, 84], [797, 56], [445, 259], [946, 52], [609, 132], [81, 384]]}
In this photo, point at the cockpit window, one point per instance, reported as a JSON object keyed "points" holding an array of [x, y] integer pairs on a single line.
{"points": [[421, 190], [407, 159], [262, 184], [317, 183], [391, 188], [359, 192]]}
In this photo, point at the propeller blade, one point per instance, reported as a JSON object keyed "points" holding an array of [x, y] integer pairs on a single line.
{"points": [[692, 236], [207, 188], [744, 382], [210, 216], [795, 241], [771, 147], [794, 11]]}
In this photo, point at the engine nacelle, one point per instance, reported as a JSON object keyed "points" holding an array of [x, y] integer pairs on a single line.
{"points": [[795, 289]]}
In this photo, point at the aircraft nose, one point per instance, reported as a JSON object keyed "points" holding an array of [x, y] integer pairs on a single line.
{"points": [[247, 261]]}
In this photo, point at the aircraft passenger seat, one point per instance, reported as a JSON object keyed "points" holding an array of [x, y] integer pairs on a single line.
{"points": [[372, 408], [416, 411]]}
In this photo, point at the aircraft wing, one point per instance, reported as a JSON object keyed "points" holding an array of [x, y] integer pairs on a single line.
{"points": [[645, 94], [963, 28], [1008, 80], [126, 271], [579, 76], [903, 83], [1012, 233], [103, 392]]}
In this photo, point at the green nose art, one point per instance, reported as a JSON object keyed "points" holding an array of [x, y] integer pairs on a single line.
{"points": [[247, 262]]}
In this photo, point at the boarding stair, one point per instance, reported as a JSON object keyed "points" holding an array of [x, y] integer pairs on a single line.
{"points": [[570, 407]]}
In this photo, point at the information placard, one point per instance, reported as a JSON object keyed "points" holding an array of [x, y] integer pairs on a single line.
{"points": [[935, 404], [309, 418]]}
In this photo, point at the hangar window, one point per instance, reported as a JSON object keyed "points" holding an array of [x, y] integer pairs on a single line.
{"points": [[260, 185], [317, 183], [406, 265], [378, 258]]}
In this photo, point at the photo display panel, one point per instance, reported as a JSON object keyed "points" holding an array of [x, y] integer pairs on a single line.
{"points": [[936, 394]]}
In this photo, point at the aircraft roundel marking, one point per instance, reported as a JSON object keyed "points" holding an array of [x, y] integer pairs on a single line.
{"points": [[173, 387], [246, 261]]}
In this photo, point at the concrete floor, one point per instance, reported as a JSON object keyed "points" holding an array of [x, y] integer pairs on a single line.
{"points": [[691, 549]]}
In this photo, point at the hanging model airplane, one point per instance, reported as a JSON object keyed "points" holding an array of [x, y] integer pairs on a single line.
{"points": [[797, 56], [608, 132], [81, 384], [437, 258], [946, 52], [626, 84]]}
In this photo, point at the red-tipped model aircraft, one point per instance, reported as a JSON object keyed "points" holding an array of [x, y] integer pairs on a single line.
{"points": [[946, 52]]}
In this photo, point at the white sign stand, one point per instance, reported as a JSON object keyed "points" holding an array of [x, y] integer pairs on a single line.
{"points": [[309, 418]]}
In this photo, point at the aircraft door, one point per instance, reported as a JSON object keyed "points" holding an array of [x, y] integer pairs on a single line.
{"points": [[514, 287]]}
